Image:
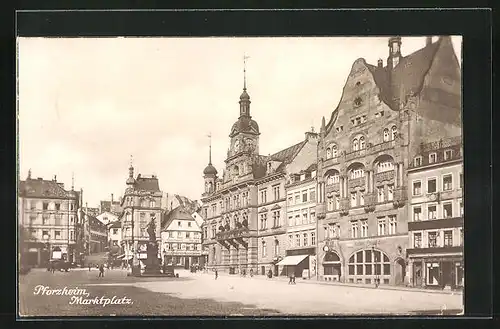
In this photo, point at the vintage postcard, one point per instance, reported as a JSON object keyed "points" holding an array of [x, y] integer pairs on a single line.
{"points": [[283, 176]]}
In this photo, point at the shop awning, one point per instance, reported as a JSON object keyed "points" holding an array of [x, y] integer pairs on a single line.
{"points": [[292, 260]]}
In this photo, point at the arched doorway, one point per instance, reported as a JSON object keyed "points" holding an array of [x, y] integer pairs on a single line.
{"points": [[399, 271], [332, 267]]}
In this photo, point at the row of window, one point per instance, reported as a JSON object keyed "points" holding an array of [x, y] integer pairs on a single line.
{"points": [[182, 246], [302, 239], [385, 226], [263, 194], [432, 185], [434, 239], [447, 211], [276, 250], [357, 198], [57, 235], [37, 205], [302, 197], [333, 176], [173, 260], [50, 219], [359, 142], [301, 217], [145, 203], [276, 220], [235, 202], [181, 234], [433, 158]]}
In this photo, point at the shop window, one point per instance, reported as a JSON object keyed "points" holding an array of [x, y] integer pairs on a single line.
{"points": [[369, 262]]}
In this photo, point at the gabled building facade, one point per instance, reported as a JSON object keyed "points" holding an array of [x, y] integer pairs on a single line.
{"points": [[141, 204], [48, 219], [384, 114], [436, 216], [181, 239]]}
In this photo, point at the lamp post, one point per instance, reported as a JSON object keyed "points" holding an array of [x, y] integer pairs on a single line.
{"points": [[46, 238]]}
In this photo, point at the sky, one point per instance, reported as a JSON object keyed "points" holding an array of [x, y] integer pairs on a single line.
{"points": [[87, 104]]}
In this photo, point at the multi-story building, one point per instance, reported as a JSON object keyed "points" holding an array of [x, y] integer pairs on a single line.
{"points": [[301, 225], [272, 205], [243, 210], [48, 218], [107, 217], [181, 239], [112, 206], [384, 114], [141, 204], [114, 233], [435, 223], [95, 233]]}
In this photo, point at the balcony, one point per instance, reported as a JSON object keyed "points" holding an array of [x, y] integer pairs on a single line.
{"points": [[370, 201], [386, 176], [233, 234], [357, 182], [382, 146], [335, 187], [330, 162], [400, 197], [436, 224], [355, 154]]}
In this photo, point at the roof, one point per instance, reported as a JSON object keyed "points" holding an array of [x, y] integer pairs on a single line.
{"points": [[179, 213], [40, 188], [210, 170], [287, 154], [406, 78], [147, 184], [246, 125], [115, 224]]}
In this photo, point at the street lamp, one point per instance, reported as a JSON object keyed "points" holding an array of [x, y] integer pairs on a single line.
{"points": [[46, 238]]}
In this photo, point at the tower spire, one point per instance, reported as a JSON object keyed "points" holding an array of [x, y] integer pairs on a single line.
{"points": [[72, 181], [209, 148], [245, 57]]}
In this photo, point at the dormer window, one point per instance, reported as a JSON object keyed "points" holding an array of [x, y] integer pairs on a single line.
{"points": [[417, 161], [432, 157], [448, 154]]}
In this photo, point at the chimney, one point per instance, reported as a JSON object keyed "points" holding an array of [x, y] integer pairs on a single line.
{"points": [[380, 63], [55, 178], [428, 41]]}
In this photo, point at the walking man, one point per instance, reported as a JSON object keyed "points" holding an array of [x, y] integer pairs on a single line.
{"points": [[216, 274], [101, 271], [90, 265]]}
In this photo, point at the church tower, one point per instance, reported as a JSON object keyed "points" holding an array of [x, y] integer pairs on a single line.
{"points": [[210, 173], [394, 52]]}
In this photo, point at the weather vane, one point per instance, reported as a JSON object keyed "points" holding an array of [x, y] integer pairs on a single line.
{"points": [[245, 57]]}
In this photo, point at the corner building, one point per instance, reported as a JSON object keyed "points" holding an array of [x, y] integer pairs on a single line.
{"points": [[244, 211], [384, 115]]}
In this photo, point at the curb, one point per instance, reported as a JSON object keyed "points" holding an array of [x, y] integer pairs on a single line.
{"points": [[381, 287]]}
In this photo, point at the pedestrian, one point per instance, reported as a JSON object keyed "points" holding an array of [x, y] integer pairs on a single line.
{"points": [[53, 268], [90, 265], [293, 277], [101, 271], [216, 274], [290, 281]]}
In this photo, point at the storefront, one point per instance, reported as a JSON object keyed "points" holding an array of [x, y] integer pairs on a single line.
{"points": [[332, 266], [301, 262], [369, 266], [440, 273]]}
